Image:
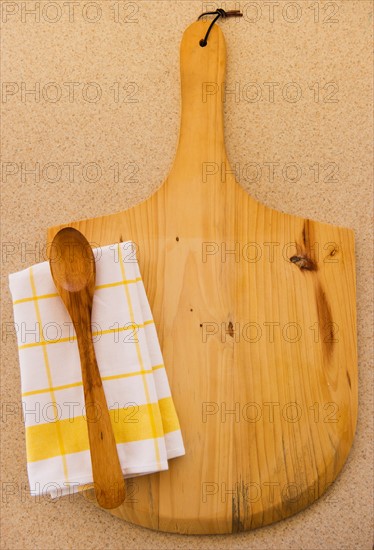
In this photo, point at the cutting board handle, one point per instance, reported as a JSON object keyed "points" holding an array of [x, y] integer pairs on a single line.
{"points": [[201, 137]]}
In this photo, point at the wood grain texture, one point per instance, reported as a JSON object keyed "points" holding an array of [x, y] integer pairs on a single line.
{"points": [[256, 315], [73, 270]]}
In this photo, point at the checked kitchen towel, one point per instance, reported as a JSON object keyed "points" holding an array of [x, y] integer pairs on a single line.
{"points": [[129, 357]]}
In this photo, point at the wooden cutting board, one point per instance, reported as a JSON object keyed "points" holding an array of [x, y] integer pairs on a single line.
{"points": [[256, 315]]}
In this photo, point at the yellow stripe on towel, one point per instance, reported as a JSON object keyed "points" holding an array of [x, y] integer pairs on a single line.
{"points": [[142, 422]]}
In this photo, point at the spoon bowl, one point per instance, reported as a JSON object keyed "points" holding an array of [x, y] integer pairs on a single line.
{"points": [[73, 265]]}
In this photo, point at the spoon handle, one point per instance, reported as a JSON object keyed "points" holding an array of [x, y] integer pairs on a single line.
{"points": [[107, 473]]}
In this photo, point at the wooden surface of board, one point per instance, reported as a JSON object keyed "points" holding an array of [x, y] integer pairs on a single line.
{"points": [[256, 315]]}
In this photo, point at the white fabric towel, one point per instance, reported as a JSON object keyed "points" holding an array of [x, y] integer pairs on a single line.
{"points": [[130, 361]]}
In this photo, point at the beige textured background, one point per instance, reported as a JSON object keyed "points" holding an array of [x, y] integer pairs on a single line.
{"points": [[325, 53]]}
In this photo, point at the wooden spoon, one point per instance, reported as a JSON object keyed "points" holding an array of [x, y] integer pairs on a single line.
{"points": [[73, 271]]}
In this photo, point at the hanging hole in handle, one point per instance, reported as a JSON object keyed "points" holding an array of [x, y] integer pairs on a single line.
{"points": [[203, 43]]}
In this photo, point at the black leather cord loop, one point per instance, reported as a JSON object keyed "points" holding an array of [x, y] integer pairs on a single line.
{"points": [[218, 13]]}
